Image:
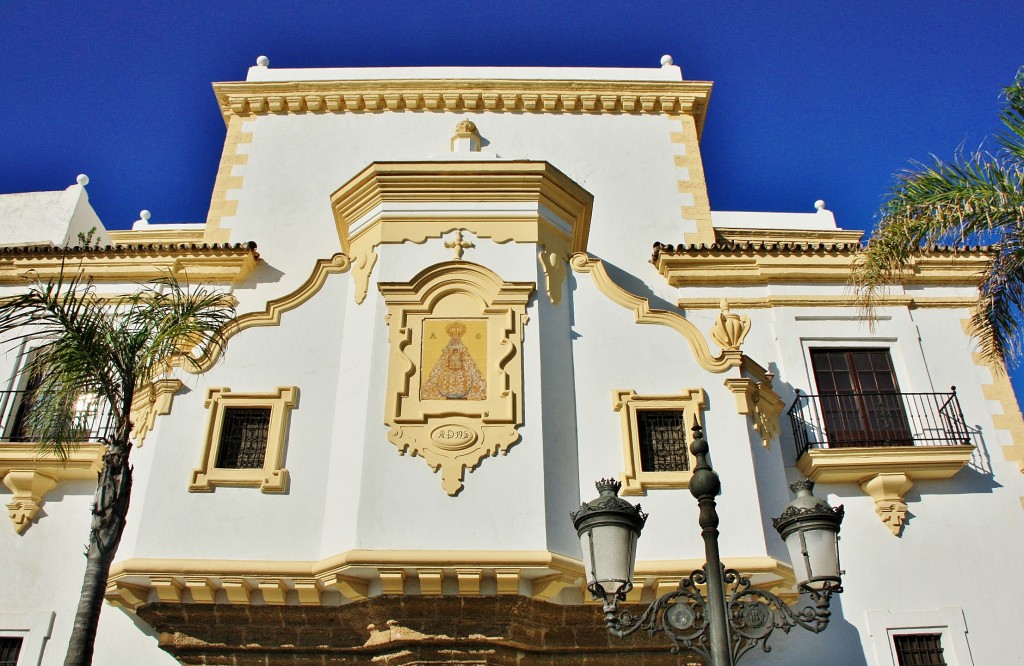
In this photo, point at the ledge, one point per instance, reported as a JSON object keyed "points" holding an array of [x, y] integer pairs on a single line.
{"points": [[30, 474], [885, 473]]}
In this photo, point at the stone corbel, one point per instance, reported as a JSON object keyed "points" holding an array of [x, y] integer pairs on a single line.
{"points": [[730, 329], [555, 269], [28, 487], [761, 403], [29, 474], [150, 402], [888, 490], [362, 268]]}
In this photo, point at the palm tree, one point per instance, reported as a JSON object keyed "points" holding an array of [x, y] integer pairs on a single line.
{"points": [[973, 200], [103, 350]]}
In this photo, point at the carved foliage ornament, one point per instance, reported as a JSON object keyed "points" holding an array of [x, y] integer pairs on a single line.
{"points": [[455, 373]]}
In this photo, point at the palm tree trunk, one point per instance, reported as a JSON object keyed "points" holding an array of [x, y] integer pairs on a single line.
{"points": [[110, 507]]}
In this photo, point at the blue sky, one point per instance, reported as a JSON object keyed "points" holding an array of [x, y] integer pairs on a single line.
{"points": [[811, 100]]}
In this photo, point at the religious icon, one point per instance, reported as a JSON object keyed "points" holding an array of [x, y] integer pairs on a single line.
{"points": [[454, 359]]}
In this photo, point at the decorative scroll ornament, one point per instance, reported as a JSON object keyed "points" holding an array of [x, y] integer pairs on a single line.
{"points": [[757, 400], [362, 266], [753, 615], [555, 270], [730, 329], [458, 245]]}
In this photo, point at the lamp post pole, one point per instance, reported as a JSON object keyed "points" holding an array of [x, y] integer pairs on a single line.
{"points": [[714, 612], [705, 486]]}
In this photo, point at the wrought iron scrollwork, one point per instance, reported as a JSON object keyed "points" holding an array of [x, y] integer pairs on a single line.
{"points": [[752, 614]]}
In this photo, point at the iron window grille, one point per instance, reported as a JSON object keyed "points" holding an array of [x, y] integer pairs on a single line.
{"points": [[10, 648], [662, 435], [243, 438], [919, 649]]}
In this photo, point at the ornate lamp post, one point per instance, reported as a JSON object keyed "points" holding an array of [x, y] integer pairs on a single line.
{"points": [[732, 618]]}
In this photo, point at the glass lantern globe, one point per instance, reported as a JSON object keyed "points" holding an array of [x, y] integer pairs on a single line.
{"points": [[608, 528], [810, 528]]}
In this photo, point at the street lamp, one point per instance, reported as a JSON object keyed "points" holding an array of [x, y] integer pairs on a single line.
{"points": [[720, 625]]}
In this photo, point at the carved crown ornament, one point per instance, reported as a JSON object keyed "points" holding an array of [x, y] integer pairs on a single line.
{"points": [[455, 372]]}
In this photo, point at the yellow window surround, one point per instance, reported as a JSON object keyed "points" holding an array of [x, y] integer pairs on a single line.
{"points": [[272, 477], [636, 481]]}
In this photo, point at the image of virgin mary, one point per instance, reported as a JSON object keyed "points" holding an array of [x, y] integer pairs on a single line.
{"points": [[455, 376]]}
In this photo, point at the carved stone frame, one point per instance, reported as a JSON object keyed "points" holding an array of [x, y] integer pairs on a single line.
{"points": [[420, 427]]}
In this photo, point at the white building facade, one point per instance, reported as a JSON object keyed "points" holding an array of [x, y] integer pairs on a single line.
{"points": [[451, 324]]}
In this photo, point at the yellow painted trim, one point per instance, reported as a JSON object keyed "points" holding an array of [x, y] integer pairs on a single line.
{"points": [[690, 180], [271, 315], [487, 426], [393, 203], [644, 314], [635, 480], [887, 490], [856, 465], [30, 474], [776, 265], [1000, 390], [834, 301], [745, 235], [221, 204], [272, 477], [524, 96], [154, 235], [152, 400], [757, 400], [539, 574], [194, 264]]}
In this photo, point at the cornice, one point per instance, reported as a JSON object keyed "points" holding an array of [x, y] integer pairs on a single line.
{"points": [[798, 262], [523, 96], [737, 235], [827, 301], [157, 236], [192, 262]]}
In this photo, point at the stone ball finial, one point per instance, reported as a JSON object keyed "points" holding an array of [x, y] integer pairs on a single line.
{"points": [[263, 61], [820, 204], [666, 60], [145, 215], [82, 179]]}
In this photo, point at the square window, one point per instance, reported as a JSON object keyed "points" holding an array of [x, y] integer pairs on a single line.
{"points": [[10, 648], [919, 649], [663, 441], [656, 437], [245, 440]]}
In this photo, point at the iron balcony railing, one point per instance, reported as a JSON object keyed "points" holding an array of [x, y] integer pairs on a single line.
{"points": [[91, 419], [836, 420]]}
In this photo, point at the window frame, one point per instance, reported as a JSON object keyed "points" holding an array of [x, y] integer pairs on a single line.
{"points": [[273, 476], [34, 630], [636, 481], [948, 623]]}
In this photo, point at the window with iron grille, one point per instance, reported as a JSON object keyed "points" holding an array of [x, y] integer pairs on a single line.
{"points": [[10, 648], [243, 438], [919, 649], [662, 435]]}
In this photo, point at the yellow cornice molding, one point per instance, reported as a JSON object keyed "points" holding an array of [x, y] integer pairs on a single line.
{"points": [[242, 98], [30, 474], [643, 313], [536, 573], [778, 264], [745, 235], [837, 301], [363, 201], [271, 315], [194, 263], [157, 236]]}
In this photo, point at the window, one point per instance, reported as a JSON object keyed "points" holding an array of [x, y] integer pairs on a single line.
{"points": [[919, 638], [245, 440], [656, 438], [861, 403], [662, 434], [919, 649], [10, 648]]}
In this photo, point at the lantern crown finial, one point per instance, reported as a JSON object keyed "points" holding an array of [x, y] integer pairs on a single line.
{"points": [[608, 485]]}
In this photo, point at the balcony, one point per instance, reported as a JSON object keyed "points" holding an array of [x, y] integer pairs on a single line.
{"points": [[846, 420], [883, 441], [30, 473]]}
